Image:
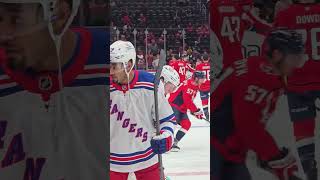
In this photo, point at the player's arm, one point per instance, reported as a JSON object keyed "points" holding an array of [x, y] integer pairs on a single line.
{"points": [[261, 26], [280, 19], [251, 128], [163, 142], [187, 93], [222, 86]]}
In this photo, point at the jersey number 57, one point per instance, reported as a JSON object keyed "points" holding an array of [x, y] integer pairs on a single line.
{"points": [[255, 94]]}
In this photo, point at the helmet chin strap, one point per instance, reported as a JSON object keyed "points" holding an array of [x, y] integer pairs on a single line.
{"points": [[57, 38], [125, 65]]}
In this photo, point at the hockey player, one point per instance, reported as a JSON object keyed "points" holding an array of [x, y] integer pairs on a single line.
{"points": [[133, 145], [170, 79], [52, 120], [229, 19], [204, 66], [281, 5], [304, 17], [182, 66], [242, 104], [175, 57], [182, 101]]}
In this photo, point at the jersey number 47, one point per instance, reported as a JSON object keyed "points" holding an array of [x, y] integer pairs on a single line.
{"points": [[230, 28]]}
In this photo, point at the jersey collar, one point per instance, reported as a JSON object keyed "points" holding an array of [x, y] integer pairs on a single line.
{"points": [[124, 87]]}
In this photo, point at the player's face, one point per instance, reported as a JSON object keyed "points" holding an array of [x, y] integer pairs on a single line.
{"points": [[23, 34], [200, 81], [169, 87], [292, 62], [117, 73]]}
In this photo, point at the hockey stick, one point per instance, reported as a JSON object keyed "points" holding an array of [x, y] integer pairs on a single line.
{"points": [[317, 136], [162, 62], [203, 118]]}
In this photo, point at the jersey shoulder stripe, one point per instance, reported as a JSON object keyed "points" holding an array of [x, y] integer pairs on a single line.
{"points": [[146, 77], [99, 51], [93, 74], [97, 66], [144, 85], [112, 88], [8, 86]]}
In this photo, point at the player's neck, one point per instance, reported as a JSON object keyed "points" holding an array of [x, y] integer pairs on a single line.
{"points": [[68, 44], [131, 76], [194, 83]]}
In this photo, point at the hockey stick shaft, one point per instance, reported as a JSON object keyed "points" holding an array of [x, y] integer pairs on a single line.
{"points": [[317, 136], [162, 62]]}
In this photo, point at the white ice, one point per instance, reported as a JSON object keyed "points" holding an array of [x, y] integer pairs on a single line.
{"points": [[193, 160]]}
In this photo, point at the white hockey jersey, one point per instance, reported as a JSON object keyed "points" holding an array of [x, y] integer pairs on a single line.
{"points": [[132, 124], [47, 134]]}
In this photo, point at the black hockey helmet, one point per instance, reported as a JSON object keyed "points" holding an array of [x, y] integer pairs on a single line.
{"points": [[284, 40], [199, 74]]}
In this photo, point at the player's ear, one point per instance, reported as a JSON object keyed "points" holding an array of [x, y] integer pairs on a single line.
{"points": [[130, 65], [277, 56]]}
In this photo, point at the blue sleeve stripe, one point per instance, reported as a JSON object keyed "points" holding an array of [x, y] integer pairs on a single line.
{"points": [[168, 129], [167, 118]]}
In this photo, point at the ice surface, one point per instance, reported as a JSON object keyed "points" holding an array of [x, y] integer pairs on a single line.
{"points": [[193, 160]]}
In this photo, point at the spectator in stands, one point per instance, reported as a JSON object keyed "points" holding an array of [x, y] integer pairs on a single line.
{"points": [[123, 37], [169, 54], [161, 41], [206, 31], [141, 60], [153, 47], [126, 19], [189, 28], [149, 60], [142, 20], [155, 61]]}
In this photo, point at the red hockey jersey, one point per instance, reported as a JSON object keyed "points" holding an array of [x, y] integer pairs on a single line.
{"points": [[204, 67], [229, 20], [305, 18], [181, 67], [183, 97], [241, 104]]}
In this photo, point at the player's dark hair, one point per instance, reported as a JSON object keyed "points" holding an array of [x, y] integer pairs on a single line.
{"points": [[285, 40], [199, 74]]}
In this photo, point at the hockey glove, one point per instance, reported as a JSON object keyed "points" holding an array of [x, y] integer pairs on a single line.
{"points": [[198, 114], [284, 166], [162, 143]]}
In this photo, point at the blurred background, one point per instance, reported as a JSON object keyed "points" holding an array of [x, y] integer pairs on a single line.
{"points": [[179, 26]]}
